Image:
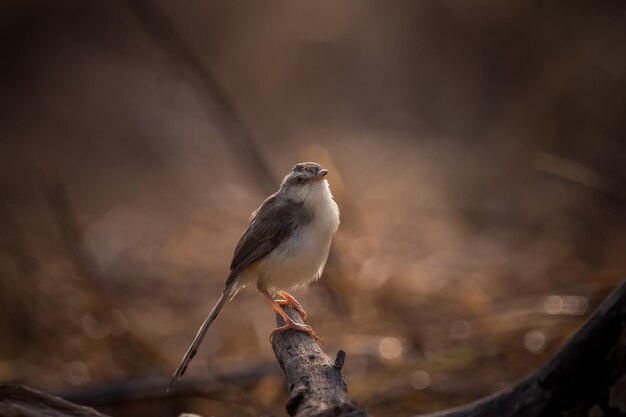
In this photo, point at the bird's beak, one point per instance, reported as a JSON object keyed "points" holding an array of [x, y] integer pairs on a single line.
{"points": [[320, 174]]}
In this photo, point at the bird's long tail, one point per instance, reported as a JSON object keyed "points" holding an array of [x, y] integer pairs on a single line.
{"points": [[193, 349]]}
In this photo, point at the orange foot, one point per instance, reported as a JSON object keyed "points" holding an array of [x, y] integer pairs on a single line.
{"points": [[290, 301], [292, 325], [289, 323]]}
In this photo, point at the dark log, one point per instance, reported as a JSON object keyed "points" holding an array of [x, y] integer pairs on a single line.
{"points": [[314, 381], [587, 378], [151, 388], [20, 401]]}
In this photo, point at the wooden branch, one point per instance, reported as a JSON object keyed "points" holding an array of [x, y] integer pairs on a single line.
{"points": [[18, 400], [314, 380], [152, 388], [586, 378]]}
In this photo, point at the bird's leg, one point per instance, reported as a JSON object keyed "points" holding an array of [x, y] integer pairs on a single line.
{"points": [[290, 301], [289, 323]]}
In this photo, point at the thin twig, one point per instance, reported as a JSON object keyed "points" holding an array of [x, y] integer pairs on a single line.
{"points": [[216, 101]]}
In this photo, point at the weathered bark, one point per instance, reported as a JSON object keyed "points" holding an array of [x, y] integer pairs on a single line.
{"points": [[20, 401], [316, 386]]}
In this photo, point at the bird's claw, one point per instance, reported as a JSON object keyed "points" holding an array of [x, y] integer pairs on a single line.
{"points": [[290, 301], [304, 328]]}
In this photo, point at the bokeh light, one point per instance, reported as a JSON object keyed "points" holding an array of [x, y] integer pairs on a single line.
{"points": [[535, 341], [390, 348], [420, 380]]}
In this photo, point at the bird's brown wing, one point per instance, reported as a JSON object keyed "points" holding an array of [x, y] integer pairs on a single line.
{"points": [[273, 223]]}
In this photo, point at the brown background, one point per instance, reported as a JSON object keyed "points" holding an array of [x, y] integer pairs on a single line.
{"points": [[476, 150]]}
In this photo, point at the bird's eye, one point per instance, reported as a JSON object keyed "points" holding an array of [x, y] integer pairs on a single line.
{"points": [[299, 179]]}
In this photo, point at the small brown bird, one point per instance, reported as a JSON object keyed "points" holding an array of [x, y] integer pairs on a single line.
{"points": [[285, 246]]}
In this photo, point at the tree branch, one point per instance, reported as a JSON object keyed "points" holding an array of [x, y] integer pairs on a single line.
{"points": [[314, 381], [586, 378], [18, 400], [243, 143]]}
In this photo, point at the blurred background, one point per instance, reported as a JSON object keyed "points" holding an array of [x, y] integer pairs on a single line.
{"points": [[476, 150]]}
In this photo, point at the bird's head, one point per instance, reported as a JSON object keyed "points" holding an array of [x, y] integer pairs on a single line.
{"points": [[303, 180]]}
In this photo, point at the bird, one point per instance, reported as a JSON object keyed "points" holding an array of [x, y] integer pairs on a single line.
{"points": [[285, 247]]}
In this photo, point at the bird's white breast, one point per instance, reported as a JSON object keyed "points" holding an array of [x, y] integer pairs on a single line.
{"points": [[301, 259]]}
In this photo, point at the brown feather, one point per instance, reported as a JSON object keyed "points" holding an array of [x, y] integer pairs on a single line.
{"points": [[272, 223]]}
